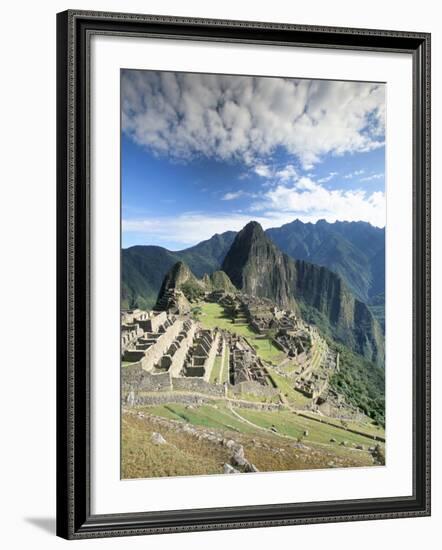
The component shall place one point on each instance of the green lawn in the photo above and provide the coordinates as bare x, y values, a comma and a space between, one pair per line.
285, 422
288, 423
213, 316
225, 366
216, 371
205, 415
244, 396
368, 427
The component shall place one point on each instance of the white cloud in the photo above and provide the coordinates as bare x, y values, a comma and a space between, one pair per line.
354, 174
310, 201
288, 173
262, 170
184, 115
373, 177
190, 228
274, 173
234, 195
326, 179
306, 200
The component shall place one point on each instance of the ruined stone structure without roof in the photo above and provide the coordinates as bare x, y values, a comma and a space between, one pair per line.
166, 349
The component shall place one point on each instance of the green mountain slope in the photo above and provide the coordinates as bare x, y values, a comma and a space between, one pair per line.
353, 250
143, 268
361, 382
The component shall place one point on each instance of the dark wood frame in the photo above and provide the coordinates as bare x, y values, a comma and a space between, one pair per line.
74, 519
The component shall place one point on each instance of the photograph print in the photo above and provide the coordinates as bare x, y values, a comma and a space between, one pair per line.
252, 274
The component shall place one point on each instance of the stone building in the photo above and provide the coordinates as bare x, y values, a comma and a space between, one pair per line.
201, 357
173, 359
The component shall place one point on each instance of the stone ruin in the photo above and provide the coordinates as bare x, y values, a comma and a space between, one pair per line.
290, 333
313, 382
216, 296
164, 351
173, 301
247, 372
244, 364
172, 360
167, 349
159, 348
134, 323
246, 367
294, 342
201, 356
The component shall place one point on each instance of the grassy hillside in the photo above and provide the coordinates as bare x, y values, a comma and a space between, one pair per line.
182, 455
185, 453
144, 267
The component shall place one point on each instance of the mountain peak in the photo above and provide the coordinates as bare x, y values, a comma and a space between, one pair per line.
250, 233
252, 228
256, 266
178, 274
179, 269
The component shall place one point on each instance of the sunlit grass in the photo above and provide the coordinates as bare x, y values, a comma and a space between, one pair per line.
212, 316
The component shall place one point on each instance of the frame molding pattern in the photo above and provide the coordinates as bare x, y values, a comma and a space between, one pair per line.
74, 29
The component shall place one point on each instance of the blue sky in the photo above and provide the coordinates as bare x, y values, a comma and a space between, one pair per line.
202, 154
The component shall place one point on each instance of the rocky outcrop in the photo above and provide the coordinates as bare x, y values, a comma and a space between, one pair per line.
218, 280
256, 266
181, 282
170, 297
158, 439
179, 275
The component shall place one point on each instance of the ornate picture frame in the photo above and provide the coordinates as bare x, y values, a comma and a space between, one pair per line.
75, 519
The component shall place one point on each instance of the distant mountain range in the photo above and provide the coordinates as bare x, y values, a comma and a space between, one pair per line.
353, 250
257, 266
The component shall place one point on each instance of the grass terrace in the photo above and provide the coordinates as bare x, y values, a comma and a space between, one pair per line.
212, 315
290, 424
208, 416
250, 421
285, 386
216, 371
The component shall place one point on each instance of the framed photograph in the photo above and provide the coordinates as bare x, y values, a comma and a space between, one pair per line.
243, 274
